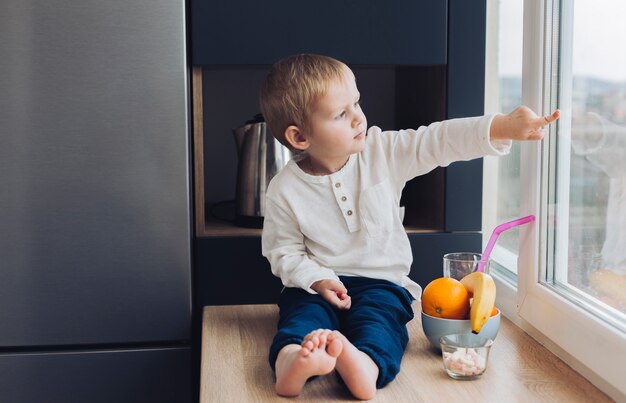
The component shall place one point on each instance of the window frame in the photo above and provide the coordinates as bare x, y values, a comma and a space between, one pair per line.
501, 255
586, 343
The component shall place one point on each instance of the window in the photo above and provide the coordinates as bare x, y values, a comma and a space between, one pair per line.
503, 94
586, 248
570, 287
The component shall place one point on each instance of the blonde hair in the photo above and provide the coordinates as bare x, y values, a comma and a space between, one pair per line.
291, 87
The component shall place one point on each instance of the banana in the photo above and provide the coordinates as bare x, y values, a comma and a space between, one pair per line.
481, 287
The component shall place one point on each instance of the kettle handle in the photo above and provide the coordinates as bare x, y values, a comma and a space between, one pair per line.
258, 118
240, 135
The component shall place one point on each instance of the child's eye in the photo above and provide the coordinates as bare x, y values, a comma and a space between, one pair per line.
357, 104
341, 115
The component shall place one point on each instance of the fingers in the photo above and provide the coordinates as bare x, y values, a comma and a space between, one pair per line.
539, 132
339, 302
537, 135
322, 286
345, 304
340, 289
335, 293
546, 120
343, 301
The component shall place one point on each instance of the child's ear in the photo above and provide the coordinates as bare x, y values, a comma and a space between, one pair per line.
296, 138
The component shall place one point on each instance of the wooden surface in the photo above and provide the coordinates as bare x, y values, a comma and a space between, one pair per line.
212, 227
236, 339
198, 147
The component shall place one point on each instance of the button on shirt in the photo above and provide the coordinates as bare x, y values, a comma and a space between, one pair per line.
350, 222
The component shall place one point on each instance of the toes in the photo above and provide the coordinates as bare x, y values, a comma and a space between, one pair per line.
326, 336
334, 348
315, 337
323, 340
318, 339
304, 352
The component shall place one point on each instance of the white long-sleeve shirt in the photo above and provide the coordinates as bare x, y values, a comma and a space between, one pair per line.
350, 222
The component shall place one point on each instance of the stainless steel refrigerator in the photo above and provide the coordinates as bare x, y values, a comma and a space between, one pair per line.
95, 261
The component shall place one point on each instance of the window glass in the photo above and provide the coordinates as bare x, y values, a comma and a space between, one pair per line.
503, 94
588, 179
571, 285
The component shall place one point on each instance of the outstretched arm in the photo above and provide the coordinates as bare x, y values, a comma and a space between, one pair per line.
521, 124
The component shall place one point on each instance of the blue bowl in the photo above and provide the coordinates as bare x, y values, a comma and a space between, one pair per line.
434, 328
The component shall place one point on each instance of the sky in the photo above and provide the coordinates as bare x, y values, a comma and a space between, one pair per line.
599, 43
600, 39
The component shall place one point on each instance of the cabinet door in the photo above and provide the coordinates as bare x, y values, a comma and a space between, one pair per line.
150, 375
465, 97
94, 181
356, 32
225, 276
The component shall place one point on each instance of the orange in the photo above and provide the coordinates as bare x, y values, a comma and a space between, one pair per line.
494, 312
446, 298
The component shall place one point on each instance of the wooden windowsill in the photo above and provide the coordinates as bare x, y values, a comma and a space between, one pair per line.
236, 339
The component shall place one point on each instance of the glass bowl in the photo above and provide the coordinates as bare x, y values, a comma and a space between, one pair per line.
465, 355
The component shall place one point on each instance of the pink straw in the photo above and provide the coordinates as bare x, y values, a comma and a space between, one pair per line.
494, 236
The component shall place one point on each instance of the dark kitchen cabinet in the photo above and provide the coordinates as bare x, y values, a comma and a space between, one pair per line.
121, 375
95, 213
402, 32
416, 62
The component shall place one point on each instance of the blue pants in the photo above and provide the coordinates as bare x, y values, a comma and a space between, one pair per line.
375, 324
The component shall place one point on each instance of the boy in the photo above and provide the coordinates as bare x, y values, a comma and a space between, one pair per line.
333, 226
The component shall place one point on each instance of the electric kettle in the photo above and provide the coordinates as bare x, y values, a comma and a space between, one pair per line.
260, 157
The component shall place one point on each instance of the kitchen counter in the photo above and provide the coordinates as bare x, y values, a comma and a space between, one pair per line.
235, 342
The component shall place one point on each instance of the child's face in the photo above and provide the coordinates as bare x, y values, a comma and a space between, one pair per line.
337, 125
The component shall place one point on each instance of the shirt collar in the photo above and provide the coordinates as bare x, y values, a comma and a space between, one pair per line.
292, 164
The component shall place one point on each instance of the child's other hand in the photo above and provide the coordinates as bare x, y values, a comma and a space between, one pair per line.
334, 292
521, 124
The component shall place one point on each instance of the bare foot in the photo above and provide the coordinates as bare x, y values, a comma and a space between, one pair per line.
357, 369
317, 355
